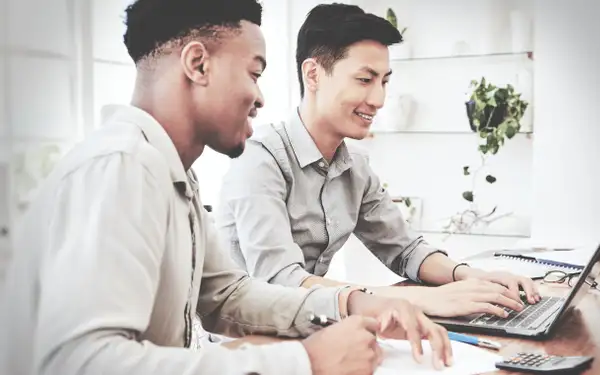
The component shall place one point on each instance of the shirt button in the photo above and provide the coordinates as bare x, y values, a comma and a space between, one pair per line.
328, 221
321, 164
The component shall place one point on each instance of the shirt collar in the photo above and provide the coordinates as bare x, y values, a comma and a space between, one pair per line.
302, 143
305, 148
156, 135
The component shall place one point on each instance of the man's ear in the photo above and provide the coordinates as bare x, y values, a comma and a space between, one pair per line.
310, 74
195, 61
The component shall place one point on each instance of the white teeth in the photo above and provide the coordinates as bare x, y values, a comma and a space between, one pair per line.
366, 117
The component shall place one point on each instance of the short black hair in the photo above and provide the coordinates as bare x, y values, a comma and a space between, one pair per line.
153, 23
329, 29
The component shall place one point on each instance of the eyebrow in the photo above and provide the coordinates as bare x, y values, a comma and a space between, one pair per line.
261, 60
375, 73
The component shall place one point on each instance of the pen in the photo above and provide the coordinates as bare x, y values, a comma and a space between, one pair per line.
324, 321
474, 341
321, 320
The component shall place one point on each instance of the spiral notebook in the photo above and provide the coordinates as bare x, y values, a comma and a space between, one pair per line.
528, 265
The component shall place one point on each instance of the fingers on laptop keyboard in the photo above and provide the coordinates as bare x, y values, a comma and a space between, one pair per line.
495, 302
488, 308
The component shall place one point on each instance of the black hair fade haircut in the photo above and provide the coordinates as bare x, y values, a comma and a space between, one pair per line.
154, 24
329, 29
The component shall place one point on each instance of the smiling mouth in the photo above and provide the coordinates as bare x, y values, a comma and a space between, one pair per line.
364, 116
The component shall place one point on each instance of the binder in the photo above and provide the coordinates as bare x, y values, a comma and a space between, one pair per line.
532, 266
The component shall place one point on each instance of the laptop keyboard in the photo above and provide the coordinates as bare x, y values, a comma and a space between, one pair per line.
522, 319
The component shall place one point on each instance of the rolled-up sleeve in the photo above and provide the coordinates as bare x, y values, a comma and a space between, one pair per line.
232, 303
253, 193
384, 231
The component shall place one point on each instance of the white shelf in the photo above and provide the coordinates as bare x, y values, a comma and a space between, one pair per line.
524, 56
433, 131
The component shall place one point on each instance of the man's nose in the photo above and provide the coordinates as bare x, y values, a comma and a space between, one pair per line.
260, 100
376, 97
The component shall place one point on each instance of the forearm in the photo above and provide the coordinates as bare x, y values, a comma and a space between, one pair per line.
113, 353
437, 269
256, 307
408, 292
311, 281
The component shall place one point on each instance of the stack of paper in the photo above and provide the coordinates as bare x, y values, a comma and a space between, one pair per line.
468, 359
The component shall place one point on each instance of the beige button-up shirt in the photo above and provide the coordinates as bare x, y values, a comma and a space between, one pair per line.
115, 256
285, 211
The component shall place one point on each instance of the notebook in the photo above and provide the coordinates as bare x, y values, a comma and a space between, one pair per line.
468, 359
533, 265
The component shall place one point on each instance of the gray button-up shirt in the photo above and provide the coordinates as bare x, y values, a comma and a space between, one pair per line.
116, 255
285, 211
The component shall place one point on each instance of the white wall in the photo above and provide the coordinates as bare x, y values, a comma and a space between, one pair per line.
425, 157
40, 112
566, 152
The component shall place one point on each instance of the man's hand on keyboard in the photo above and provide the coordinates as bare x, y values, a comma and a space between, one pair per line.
461, 298
507, 279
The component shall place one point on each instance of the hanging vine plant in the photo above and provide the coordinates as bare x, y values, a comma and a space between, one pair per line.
495, 114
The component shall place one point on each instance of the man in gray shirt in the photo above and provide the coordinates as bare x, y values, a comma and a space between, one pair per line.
116, 254
298, 192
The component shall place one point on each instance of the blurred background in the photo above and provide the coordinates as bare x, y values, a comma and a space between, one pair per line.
62, 60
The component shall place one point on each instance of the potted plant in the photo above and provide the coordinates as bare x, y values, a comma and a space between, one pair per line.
401, 50
495, 114
495, 111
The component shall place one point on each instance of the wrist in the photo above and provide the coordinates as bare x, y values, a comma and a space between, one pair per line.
464, 272
357, 301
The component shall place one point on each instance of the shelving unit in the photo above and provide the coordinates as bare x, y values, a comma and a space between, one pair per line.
416, 102
525, 54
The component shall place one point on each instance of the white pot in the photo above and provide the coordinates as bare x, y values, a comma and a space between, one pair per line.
401, 51
396, 114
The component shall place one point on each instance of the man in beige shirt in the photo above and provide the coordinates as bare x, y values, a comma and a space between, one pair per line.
116, 254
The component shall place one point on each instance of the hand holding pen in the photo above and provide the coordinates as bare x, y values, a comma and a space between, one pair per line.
348, 347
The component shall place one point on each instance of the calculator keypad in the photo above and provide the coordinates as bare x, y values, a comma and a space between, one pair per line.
530, 359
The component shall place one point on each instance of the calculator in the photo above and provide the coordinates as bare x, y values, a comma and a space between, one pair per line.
540, 363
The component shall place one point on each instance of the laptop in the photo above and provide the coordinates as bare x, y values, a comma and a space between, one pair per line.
534, 321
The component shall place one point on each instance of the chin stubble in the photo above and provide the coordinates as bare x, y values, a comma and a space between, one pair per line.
237, 151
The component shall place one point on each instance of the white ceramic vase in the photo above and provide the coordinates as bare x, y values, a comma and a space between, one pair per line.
396, 114
401, 51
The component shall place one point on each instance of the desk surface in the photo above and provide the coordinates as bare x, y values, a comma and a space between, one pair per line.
578, 334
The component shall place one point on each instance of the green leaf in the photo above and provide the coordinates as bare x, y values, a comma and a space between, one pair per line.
391, 17
468, 195
510, 132
491, 179
466, 170
483, 149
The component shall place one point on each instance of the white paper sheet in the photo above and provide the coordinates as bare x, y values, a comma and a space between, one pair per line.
468, 359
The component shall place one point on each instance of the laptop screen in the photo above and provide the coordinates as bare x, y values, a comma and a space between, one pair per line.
586, 280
